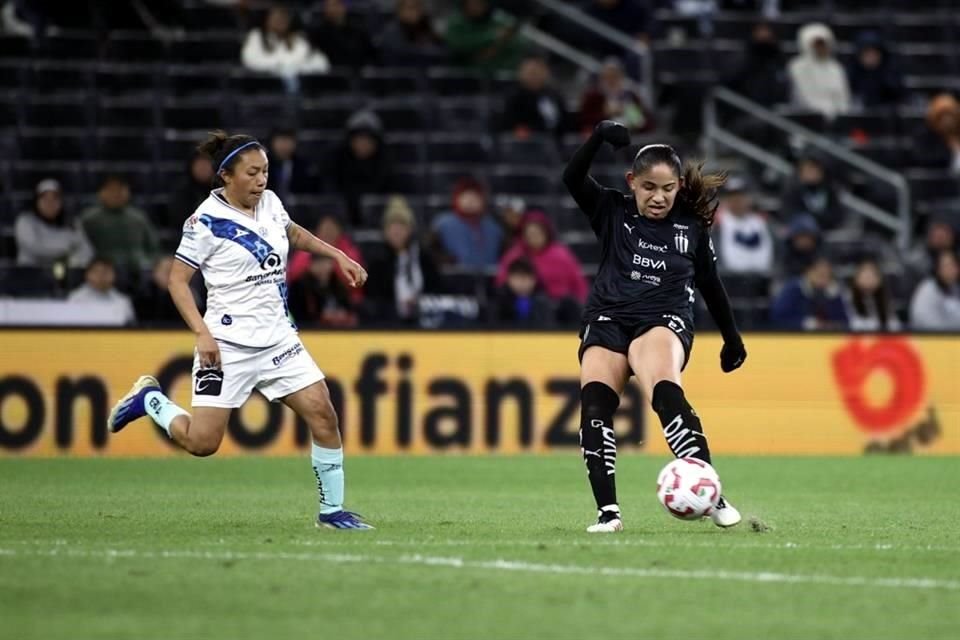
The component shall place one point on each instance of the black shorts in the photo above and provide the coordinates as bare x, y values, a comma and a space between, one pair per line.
617, 337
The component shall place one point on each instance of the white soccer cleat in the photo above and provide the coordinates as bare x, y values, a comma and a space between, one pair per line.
608, 521
725, 514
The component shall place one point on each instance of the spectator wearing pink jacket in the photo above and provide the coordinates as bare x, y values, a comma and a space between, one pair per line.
557, 268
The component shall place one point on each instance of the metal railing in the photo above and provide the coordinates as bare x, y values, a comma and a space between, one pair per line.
599, 29
715, 133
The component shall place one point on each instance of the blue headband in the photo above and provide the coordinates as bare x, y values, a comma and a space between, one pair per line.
235, 152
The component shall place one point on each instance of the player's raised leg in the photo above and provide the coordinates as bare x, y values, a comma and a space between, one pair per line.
603, 374
199, 434
314, 406
657, 358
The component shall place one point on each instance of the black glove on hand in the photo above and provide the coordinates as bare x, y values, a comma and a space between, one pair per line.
614, 133
732, 355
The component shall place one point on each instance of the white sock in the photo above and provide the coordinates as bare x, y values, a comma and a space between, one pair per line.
162, 409
328, 468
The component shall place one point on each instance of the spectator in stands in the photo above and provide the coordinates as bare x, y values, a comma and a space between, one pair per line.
510, 210
519, 301
610, 99
874, 80
745, 244
277, 49
480, 40
818, 82
943, 119
329, 229
409, 38
343, 36
319, 297
761, 75
98, 288
48, 235
468, 236
119, 231
153, 304
869, 306
361, 164
936, 302
803, 244
290, 174
811, 302
403, 271
812, 191
193, 189
558, 270
534, 106
940, 236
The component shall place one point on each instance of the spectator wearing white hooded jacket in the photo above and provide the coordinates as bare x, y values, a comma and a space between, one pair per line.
936, 302
818, 82
275, 48
744, 241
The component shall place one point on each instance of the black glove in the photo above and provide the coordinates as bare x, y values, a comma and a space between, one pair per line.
732, 355
614, 133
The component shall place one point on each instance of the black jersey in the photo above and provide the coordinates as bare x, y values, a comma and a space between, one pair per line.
648, 267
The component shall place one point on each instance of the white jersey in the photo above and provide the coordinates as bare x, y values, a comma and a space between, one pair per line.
243, 260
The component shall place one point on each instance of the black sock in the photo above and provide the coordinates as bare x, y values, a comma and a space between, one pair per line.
681, 426
598, 403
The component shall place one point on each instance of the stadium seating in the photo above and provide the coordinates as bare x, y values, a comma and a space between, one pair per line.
77, 106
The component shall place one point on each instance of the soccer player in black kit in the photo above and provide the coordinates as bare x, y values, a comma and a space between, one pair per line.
655, 248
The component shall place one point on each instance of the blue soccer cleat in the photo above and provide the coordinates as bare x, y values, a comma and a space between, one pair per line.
342, 520
130, 407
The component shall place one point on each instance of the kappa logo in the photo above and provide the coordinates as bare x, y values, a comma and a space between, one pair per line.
629, 228
209, 382
680, 241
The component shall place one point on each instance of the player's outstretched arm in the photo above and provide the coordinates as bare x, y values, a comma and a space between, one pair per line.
179, 285
300, 238
715, 296
584, 189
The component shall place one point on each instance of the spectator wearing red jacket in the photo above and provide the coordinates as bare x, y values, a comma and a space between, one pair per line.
557, 268
329, 229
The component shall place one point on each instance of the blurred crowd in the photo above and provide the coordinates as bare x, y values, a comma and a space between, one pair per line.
533, 278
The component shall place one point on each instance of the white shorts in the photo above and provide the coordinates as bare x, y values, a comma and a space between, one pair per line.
274, 371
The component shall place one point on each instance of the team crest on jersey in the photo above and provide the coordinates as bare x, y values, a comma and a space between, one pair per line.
680, 241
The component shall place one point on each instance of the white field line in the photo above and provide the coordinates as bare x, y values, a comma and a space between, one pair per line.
499, 564
720, 542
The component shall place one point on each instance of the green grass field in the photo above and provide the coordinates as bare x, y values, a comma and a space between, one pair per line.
474, 548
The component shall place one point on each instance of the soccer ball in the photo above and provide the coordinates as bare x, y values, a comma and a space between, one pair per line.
688, 488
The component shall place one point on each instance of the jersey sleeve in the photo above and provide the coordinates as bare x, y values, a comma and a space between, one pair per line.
706, 259
603, 210
282, 215
277, 210
196, 244
711, 288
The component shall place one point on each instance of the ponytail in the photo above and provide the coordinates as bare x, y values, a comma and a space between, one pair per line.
224, 149
698, 194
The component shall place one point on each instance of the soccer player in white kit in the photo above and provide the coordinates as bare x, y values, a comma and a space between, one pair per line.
238, 239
